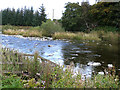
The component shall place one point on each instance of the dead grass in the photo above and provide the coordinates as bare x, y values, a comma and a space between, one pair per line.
25, 33
76, 36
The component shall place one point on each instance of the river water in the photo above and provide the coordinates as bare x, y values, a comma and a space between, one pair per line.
87, 57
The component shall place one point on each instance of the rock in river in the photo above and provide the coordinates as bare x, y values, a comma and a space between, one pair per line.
94, 64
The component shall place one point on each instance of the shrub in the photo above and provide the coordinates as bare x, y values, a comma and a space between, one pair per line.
51, 27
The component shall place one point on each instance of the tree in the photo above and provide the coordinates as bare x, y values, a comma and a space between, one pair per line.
71, 19
36, 19
13, 17
105, 13
85, 16
17, 17
42, 14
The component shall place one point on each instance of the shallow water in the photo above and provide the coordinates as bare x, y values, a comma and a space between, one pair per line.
87, 57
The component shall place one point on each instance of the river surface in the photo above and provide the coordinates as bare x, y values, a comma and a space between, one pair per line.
88, 58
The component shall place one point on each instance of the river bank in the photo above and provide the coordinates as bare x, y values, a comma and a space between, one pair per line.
98, 34
24, 72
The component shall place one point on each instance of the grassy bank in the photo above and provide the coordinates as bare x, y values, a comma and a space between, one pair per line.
54, 30
25, 33
21, 71
111, 37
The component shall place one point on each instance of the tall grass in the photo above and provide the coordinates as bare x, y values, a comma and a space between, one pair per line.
25, 33
76, 36
110, 37
5, 27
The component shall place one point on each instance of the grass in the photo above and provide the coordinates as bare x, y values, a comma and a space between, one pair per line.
25, 33
6, 27
36, 74
111, 37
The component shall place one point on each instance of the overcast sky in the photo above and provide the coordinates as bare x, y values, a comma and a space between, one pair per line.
57, 5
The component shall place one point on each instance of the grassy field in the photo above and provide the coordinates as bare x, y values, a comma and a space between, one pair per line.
23, 71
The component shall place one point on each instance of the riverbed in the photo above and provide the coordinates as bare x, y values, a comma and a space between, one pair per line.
87, 56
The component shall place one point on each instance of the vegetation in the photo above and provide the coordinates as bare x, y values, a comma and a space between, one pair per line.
99, 22
86, 17
47, 28
25, 33
76, 36
23, 17
106, 13
50, 27
19, 71
100, 35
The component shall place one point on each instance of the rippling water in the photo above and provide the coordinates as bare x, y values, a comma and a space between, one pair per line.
87, 58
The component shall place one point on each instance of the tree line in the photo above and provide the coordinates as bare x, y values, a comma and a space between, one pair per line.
76, 17
23, 17
86, 17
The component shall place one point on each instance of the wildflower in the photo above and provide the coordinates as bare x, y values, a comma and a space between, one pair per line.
43, 82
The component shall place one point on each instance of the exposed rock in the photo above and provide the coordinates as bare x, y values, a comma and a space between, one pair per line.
49, 45
94, 64
110, 65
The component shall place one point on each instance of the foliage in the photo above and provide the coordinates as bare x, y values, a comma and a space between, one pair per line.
42, 14
45, 75
23, 17
86, 17
11, 82
103, 81
66, 79
106, 29
71, 19
105, 13
49, 27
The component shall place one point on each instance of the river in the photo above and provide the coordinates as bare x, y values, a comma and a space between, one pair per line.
88, 58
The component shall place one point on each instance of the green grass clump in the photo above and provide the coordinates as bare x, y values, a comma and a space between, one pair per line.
36, 28
11, 82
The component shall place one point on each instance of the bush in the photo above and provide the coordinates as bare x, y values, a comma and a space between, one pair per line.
50, 27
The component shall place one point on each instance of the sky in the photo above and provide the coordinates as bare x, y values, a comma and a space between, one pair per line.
57, 5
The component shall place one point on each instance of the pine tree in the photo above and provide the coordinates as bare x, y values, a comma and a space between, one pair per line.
42, 14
